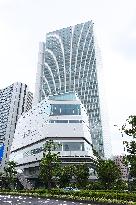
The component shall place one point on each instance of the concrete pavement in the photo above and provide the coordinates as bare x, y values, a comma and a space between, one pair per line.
24, 200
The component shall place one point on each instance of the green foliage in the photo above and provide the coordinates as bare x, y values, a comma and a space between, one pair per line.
95, 185
78, 173
129, 128
65, 176
120, 185
9, 175
50, 146
133, 185
97, 194
50, 164
10, 169
106, 197
108, 173
81, 175
51, 170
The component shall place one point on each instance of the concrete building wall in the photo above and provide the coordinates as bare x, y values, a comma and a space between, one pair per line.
12, 105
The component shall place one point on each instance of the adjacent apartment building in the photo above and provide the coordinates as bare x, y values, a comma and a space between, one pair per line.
69, 62
123, 168
14, 100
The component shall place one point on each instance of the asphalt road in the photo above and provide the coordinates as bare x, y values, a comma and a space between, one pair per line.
23, 200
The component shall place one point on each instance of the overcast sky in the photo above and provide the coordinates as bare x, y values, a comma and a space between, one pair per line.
23, 23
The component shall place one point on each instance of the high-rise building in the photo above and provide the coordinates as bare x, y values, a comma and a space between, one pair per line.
68, 62
14, 100
123, 168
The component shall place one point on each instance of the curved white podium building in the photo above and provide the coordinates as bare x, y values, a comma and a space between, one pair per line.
63, 119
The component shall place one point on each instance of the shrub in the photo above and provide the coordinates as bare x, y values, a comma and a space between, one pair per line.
96, 196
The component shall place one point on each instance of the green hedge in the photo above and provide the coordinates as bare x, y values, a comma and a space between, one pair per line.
97, 194
93, 196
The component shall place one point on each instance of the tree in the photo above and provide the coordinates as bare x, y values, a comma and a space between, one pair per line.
108, 173
50, 163
2, 180
129, 128
10, 174
81, 175
65, 175
78, 173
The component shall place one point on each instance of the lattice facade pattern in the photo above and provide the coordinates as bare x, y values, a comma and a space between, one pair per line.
69, 64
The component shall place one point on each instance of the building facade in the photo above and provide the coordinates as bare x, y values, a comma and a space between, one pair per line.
14, 100
123, 168
62, 119
68, 62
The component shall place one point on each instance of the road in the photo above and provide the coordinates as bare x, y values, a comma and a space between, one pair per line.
23, 200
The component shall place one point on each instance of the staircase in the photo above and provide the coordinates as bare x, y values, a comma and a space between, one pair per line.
26, 184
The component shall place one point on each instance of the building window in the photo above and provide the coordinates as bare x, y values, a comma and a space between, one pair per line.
73, 146
65, 109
